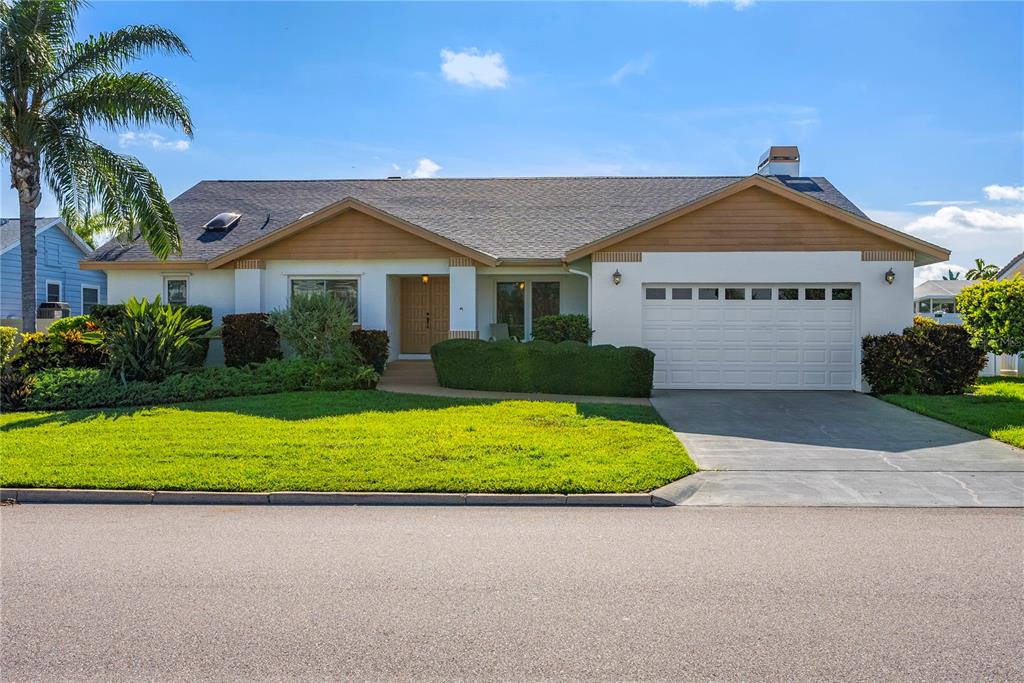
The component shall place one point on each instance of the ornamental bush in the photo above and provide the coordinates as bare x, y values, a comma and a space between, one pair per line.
560, 328
570, 367
148, 341
318, 327
105, 315
928, 359
8, 338
992, 312
372, 346
70, 349
249, 338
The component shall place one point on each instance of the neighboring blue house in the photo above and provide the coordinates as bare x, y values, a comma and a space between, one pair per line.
58, 278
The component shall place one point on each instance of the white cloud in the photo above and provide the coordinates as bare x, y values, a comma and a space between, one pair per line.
154, 140
953, 220
936, 271
634, 67
425, 168
473, 69
1005, 192
943, 202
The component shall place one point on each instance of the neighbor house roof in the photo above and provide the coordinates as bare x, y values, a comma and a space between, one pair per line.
1010, 266
10, 232
940, 288
506, 219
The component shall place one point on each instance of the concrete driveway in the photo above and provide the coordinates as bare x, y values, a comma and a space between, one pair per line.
832, 448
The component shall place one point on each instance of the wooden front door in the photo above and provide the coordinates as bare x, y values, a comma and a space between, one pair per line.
424, 313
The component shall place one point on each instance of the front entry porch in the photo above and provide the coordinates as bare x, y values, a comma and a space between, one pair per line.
424, 313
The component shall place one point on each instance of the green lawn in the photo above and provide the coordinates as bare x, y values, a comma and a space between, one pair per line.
345, 441
995, 408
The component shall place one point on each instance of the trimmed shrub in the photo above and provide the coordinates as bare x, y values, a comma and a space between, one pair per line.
542, 367
993, 314
560, 328
8, 338
922, 321
927, 359
67, 389
150, 342
372, 346
318, 327
248, 339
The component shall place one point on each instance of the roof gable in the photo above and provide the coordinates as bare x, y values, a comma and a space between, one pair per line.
784, 234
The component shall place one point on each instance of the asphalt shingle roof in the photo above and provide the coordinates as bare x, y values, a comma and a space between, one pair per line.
507, 218
10, 229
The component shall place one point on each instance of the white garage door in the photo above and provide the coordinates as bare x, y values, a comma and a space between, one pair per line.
751, 336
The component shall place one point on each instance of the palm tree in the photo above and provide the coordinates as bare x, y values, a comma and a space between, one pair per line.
96, 228
951, 275
55, 91
982, 270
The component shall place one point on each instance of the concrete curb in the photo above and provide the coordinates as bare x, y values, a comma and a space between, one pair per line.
109, 496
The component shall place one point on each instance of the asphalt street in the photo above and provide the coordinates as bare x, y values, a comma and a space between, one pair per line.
96, 592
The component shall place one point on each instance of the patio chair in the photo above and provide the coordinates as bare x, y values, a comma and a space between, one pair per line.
499, 332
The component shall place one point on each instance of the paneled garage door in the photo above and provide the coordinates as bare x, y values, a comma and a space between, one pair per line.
751, 336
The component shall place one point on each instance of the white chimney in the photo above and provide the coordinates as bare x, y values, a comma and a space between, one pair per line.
780, 160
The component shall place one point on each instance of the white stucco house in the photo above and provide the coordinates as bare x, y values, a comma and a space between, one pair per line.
761, 281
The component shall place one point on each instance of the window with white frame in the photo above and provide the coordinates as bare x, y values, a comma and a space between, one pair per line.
343, 289
176, 290
519, 304
53, 290
90, 298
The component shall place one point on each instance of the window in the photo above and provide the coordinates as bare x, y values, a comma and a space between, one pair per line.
177, 291
924, 306
842, 295
53, 290
346, 290
653, 293
707, 293
545, 299
90, 298
788, 293
735, 293
682, 293
814, 294
944, 306
512, 307
761, 293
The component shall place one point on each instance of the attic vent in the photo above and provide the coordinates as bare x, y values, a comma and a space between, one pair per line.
223, 221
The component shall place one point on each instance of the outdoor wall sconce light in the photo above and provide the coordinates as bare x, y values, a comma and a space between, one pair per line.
890, 277
616, 276
425, 279
522, 285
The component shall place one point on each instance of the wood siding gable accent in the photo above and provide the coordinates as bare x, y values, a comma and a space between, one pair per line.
460, 261
618, 257
755, 220
352, 235
250, 264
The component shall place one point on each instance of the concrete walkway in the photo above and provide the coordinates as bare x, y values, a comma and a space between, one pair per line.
417, 377
832, 449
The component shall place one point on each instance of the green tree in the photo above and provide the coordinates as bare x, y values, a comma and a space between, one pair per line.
55, 91
982, 270
992, 312
951, 275
96, 228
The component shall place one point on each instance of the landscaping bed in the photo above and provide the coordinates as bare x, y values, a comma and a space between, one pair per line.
995, 408
346, 441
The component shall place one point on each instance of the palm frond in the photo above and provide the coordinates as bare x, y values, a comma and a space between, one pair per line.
109, 52
125, 100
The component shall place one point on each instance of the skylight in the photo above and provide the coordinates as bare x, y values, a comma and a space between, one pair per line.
223, 221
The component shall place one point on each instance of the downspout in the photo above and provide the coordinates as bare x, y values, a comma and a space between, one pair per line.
590, 292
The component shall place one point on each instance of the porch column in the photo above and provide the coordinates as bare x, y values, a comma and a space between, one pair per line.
249, 285
462, 299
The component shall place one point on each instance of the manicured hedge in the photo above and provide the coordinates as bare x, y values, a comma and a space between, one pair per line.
925, 359
564, 327
90, 388
543, 367
372, 346
249, 338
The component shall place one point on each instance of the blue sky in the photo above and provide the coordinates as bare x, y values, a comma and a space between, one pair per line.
897, 104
